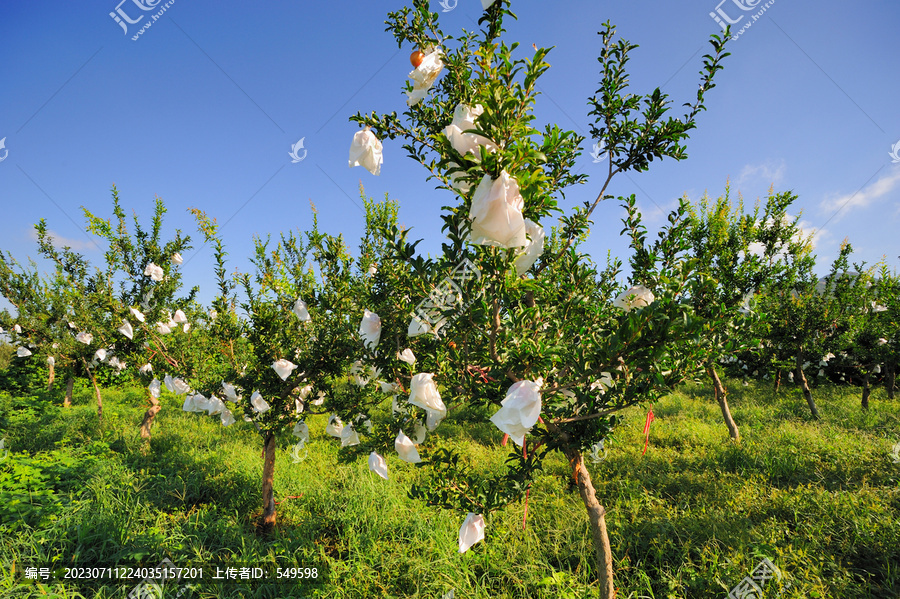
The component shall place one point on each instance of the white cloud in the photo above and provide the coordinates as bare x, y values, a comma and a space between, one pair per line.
653, 213
767, 173
59, 241
819, 236
862, 198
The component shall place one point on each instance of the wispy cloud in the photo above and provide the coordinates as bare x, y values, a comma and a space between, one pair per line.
768, 173
654, 214
60, 241
818, 236
882, 187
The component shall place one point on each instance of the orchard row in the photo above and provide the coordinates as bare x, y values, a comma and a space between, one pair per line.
511, 314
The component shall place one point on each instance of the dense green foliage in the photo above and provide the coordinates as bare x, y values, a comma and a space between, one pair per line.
566, 347
689, 519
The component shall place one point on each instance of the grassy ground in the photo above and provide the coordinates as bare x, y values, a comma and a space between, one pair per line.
691, 518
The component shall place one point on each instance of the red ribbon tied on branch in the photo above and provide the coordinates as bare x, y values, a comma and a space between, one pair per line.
528, 490
650, 418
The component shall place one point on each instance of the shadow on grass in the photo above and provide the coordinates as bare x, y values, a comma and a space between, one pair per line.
176, 474
34, 423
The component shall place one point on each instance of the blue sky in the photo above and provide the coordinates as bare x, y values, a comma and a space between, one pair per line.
203, 108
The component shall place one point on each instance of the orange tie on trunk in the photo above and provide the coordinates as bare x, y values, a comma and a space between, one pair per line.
650, 418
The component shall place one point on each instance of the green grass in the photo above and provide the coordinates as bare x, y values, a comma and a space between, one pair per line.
689, 519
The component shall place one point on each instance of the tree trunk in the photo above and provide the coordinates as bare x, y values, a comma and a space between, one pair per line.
596, 513
149, 415
99, 398
866, 391
267, 520
96, 391
804, 384
890, 377
70, 387
722, 399
51, 377
777, 380
597, 519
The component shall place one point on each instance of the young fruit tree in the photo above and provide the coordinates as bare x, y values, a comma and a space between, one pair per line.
739, 253
808, 319
141, 313
33, 327
62, 314
529, 317
864, 345
289, 349
888, 293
